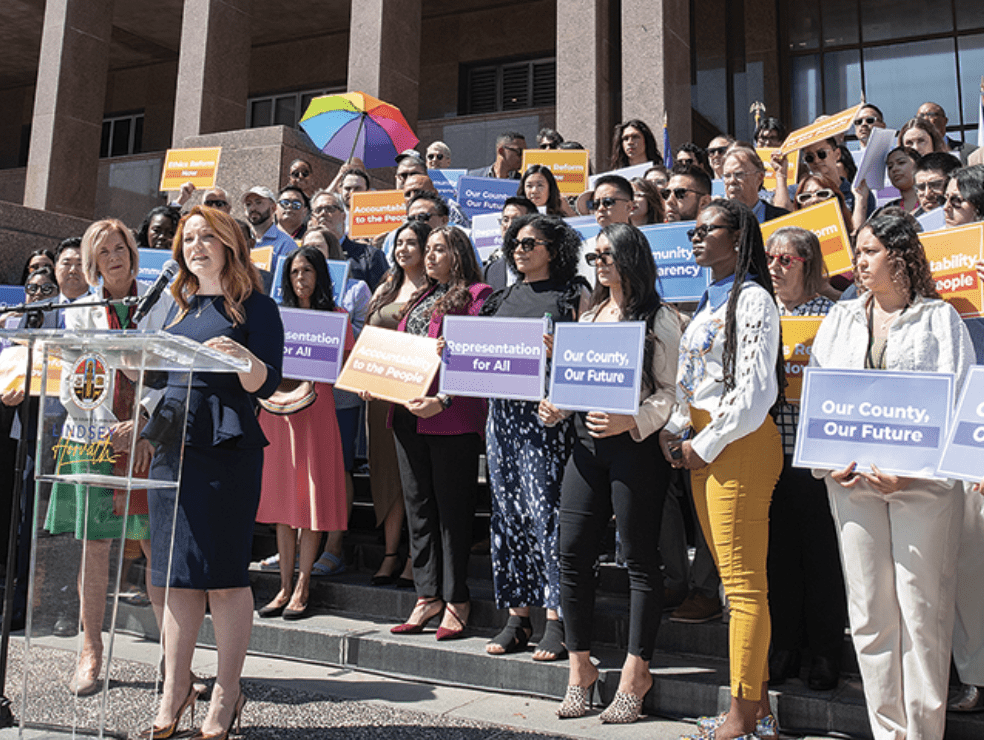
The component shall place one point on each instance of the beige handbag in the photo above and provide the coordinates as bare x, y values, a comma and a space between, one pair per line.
290, 397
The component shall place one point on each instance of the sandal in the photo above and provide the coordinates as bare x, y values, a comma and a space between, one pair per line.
328, 564
513, 638
551, 642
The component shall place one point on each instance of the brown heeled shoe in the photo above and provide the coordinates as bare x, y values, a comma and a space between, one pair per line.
236, 720
162, 733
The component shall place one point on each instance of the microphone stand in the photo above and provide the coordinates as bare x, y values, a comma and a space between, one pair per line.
34, 313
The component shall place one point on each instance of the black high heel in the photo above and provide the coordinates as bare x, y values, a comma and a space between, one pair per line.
387, 580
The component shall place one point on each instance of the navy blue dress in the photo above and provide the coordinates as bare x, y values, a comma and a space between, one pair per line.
223, 453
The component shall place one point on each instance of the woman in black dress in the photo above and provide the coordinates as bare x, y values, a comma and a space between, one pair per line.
219, 302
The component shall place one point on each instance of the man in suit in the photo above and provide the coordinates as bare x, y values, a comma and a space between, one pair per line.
934, 114
743, 174
509, 147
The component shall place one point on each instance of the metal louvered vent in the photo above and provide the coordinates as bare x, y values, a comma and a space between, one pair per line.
510, 86
482, 90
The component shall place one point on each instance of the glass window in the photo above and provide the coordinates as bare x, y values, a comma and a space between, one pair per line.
840, 22
882, 20
901, 77
804, 25
260, 113
283, 113
841, 80
805, 89
970, 14
970, 52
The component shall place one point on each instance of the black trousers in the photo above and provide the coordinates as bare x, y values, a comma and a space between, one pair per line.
605, 476
439, 474
807, 601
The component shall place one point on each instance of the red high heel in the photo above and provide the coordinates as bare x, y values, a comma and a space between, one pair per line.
413, 628
449, 633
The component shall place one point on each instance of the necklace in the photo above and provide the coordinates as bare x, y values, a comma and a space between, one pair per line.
202, 305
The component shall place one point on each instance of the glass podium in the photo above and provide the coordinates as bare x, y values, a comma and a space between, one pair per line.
96, 397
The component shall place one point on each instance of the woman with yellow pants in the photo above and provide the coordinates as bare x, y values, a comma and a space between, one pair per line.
729, 376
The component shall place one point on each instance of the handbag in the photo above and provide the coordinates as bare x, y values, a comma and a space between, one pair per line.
290, 397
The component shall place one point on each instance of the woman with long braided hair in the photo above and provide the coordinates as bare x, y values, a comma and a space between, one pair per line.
730, 374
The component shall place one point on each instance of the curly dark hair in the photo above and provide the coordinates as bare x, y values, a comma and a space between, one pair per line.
465, 272
142, 232
752, 265
897, 231
565, 244
393, 280
323, 298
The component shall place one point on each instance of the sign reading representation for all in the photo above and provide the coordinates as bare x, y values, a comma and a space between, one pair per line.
493, 358
197, 166
391, 365
596, 366
314, 343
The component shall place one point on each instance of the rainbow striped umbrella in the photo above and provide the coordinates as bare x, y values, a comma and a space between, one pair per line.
358, 125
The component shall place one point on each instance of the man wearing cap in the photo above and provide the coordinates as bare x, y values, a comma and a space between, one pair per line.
259, 203
509, 147
408, 162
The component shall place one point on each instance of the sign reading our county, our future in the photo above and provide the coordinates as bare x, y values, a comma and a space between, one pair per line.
446, 182
391, 365
680, 277
962, 454
493, 358
484, 194
953, 255
314, 343
895, 420
798, 333
596, 366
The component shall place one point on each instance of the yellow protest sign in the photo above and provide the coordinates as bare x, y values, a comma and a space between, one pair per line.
820, 130
262, 256
391, 365
952, 255
770, 176
569, 167
798, 333
826, 220
13, 361
375, 212
197, 166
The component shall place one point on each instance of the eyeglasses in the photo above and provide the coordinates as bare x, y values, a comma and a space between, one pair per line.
869, 120
820, 154
954, 201
701, 232
436, 156
217, 203
931, 185
326, 210
931, 114
45, 289
604, 258
739, 175
594, 205
784, 260
717, 151
290, 205
301, 173
821, 194
678, 193
421, 217
529, 243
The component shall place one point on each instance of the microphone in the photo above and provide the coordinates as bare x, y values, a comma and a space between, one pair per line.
150, 298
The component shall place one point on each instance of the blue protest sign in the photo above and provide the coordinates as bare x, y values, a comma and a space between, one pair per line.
277, 286
717, 189
152, 263
965, 439
680, 277
11, 295
338, 271
446, 182
596, 366
586, 226
314, 343
484, 194
896, 420
493, 358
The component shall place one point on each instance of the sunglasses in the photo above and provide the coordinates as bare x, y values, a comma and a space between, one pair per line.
514, 150
548, 145
604, 258
717, 151
290, 205
217, 203
784, 260
931, 185
45, 289
528, 244
702, 231
594, 205
869, 120
421, 217
323, 210
812, 156
822, 194
678, 193
437, 156
301, 173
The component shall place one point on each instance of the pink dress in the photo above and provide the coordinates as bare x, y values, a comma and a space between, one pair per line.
303, 470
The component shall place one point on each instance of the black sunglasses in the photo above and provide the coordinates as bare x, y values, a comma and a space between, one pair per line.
217, 203
821, 155
678, 193
702, 231
44, 289
870, 120
438, 156
301, 173
422, 217
605, 202
605, 258
715, 151
529, 243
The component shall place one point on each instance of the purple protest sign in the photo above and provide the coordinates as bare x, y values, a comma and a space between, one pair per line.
314, 343
493, 358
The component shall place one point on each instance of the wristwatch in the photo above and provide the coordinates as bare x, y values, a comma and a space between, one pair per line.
445, 400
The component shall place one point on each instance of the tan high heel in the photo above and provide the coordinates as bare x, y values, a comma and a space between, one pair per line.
85, 680
162, 733
236, 719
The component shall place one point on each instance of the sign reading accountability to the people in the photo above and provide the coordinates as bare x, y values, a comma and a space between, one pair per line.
953, 255
197, 166
963, 454
314, 343
596, 366
680, 277
484, 194
375, 212
798, 333
826, 220
895, 420
493, 358
820, 130
391, 365
568, 166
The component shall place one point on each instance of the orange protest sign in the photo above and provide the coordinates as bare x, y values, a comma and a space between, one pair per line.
826, 220
375, 212
770, 177
569, 167
798, 333
13, 360
262, 257
391, 365
952, 255
197, 166
820, 130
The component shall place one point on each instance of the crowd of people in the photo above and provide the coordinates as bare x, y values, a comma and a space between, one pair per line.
797, 553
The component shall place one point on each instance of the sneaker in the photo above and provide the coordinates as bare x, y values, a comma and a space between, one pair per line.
697, 609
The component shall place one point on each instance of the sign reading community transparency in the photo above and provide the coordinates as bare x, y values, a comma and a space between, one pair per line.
895, 420
314, 343
680, 278
596, 366
197, 166
391, 365
493, 358
798, 333
963, 454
